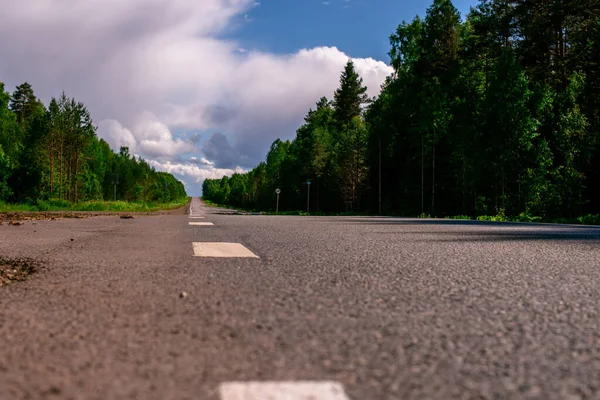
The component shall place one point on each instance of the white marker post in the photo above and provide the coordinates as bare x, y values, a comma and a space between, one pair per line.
277, 206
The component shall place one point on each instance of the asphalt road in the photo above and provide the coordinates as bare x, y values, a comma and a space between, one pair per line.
388, 308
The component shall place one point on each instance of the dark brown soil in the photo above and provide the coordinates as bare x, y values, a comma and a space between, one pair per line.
16, 270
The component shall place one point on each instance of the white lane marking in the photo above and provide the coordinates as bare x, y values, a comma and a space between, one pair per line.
293, 390
195, 217
200, 223
221, 250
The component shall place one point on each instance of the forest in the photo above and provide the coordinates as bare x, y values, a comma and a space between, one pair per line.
494, 114
53, 154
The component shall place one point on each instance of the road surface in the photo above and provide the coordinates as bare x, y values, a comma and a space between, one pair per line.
330, 307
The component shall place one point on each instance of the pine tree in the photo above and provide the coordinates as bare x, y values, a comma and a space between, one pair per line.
350, 96
351, 167
24, 103
440, 42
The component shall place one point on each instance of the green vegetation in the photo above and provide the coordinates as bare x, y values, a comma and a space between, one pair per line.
210, 203
496, 116
94, 205
51, 159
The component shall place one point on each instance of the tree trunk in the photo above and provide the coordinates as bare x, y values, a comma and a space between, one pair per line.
422, 175
379, 205
51, 151
464, 184
433, 180
318, 207
519, 207
60, 172
76, 174
503, 192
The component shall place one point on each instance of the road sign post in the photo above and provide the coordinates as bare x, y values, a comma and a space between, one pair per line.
277, 205
115, 182
308, 197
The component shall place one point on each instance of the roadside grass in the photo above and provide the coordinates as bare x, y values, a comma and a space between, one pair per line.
99, 206
590, 219
210, 203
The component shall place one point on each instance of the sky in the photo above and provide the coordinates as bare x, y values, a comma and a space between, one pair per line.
198, 88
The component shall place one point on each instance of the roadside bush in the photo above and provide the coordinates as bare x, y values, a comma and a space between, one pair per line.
590, 219
526, 217
458, 217
500, 217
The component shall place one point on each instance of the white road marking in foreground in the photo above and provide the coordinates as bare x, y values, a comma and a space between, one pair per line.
200, 223
222, 250
299, 390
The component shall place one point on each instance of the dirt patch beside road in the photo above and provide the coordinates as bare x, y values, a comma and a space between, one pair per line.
16, 270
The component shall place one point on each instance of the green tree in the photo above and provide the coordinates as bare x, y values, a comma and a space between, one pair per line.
349, 97
509, 131
24, 103
5, 172
10, 134
574, 145
351, 163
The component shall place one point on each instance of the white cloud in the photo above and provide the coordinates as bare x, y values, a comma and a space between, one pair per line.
202, 160
149, 68
194, 172
149, 138
116, 134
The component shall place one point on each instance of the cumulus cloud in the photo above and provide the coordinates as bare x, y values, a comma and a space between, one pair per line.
194, 172
117, 135
158, 77
148, 137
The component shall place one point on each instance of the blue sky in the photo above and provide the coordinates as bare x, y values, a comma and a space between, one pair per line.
360, 28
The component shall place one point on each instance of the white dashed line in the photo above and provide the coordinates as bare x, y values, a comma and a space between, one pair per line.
194, 217
221, 250
300, 390
200, 223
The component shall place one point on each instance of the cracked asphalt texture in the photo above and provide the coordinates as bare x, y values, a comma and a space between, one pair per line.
391, 308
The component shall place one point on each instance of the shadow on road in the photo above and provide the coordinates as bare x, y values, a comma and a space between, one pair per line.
466, 230
415, 221
516, 236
